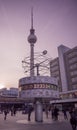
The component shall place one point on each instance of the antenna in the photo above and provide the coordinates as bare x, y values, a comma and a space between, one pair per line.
32, 18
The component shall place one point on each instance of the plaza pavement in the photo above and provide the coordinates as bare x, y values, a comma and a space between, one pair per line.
19, 122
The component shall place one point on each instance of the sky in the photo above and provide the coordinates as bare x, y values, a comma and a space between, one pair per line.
55, 23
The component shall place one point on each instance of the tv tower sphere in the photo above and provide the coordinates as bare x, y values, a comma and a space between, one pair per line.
32, 38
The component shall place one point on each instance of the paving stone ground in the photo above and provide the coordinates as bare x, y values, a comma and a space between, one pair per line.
20, 122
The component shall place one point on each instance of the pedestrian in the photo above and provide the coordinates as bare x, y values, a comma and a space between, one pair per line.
47, 111
56, 113
73, 120
52, 112
65, 114
5, 114
30, 109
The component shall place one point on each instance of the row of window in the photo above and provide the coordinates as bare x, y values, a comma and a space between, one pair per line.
72, 54
53, 63
74, 86
56, 73
74, 79
73, 60
73, 73
74, 66
54, 68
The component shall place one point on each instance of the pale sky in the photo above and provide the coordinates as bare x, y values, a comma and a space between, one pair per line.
55, 23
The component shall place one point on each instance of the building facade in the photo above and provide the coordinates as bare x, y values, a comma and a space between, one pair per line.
12, 92
64, 68
70, 58
55, 71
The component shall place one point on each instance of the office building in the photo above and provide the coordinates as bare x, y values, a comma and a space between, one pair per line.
64, 68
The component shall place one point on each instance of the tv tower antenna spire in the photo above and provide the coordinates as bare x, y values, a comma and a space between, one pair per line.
32, 40
32, 17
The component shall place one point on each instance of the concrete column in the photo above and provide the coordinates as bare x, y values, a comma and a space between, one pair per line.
38, 112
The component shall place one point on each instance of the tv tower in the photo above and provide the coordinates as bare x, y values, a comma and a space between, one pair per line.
32, 40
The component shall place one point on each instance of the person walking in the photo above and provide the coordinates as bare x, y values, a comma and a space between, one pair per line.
5, 114
52, 112
30, 109
65, 114
56, 113
73, 120
47, 111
